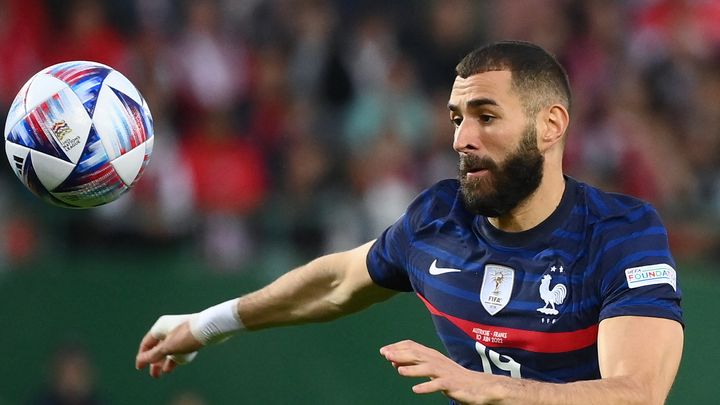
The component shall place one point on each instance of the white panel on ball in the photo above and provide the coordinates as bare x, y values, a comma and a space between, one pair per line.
50, 170
42, 87
119, 82
149, 145
108, 122
128, 165
68, 122
17, 155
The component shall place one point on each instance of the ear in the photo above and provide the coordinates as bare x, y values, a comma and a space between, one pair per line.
554, 124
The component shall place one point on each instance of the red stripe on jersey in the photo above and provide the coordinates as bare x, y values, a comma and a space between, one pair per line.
529, 340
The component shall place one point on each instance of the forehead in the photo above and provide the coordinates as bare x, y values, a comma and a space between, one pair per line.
493, 85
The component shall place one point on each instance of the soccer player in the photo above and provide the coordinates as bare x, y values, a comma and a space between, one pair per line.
543, 289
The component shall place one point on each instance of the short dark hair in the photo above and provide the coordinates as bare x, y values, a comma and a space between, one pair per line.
537, 76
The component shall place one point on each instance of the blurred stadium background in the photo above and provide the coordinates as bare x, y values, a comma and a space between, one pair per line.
290, 128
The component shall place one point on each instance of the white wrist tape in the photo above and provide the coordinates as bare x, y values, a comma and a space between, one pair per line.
217, 323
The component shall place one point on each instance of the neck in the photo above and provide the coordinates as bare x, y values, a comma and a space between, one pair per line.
536, 208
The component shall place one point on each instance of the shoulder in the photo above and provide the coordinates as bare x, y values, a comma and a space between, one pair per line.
625, 232
435, 202
605, 208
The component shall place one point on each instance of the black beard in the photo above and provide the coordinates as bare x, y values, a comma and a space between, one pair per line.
507, 184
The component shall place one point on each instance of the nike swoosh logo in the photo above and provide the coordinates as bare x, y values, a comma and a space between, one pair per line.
435, 270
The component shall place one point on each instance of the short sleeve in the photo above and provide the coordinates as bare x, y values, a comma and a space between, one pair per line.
387, 261
639, 274
387, 257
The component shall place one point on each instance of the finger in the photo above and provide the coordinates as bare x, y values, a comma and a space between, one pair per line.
156, 370
416, 371
146, 344
429, 387
168, 365
402, 357
404, 344
153, 355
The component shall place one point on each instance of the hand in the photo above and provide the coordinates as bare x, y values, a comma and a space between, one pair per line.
167, 344
412, 359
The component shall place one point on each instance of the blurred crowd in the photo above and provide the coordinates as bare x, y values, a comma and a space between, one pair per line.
289, 128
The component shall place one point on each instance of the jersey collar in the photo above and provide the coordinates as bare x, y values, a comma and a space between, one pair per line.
540, 232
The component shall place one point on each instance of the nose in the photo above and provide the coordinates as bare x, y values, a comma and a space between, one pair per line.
467, 137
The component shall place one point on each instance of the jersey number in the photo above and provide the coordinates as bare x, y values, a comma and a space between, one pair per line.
502, 362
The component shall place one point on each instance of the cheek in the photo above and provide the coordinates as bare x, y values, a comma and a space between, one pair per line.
500, 142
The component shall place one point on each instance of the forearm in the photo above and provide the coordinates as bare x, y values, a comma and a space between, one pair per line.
616, 390
301, 295
466, 386
324, 289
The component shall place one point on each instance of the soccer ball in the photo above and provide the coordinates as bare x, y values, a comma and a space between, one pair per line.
79, 134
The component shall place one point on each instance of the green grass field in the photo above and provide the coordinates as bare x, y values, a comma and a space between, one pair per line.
336, 363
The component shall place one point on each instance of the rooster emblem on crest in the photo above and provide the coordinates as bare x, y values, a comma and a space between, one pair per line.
553, 297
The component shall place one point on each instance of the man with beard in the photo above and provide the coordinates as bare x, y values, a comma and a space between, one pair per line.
544, 290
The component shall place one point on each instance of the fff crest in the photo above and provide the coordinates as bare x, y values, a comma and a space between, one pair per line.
496, 287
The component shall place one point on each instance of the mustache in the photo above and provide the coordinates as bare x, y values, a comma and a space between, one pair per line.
469, 163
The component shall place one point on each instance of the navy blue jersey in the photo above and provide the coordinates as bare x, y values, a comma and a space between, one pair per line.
528, 304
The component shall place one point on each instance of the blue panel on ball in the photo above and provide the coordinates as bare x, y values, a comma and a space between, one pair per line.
149, 123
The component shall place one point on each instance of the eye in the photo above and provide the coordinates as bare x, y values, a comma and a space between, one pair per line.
486, 119
456, 121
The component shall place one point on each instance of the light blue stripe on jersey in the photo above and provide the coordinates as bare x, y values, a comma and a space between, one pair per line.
662, 256
615, 242
592, 234
657, 230
574, 236
472, 295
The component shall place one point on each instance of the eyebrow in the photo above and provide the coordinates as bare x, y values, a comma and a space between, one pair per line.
474, 103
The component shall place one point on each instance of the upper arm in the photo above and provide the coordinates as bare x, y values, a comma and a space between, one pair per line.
640, 337
356, 288
644, 349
